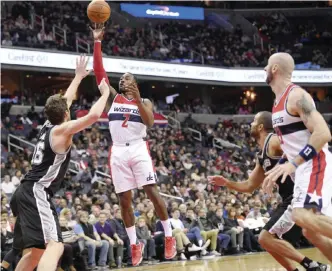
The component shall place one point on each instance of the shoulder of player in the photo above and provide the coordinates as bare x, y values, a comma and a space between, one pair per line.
274, 146
296, 95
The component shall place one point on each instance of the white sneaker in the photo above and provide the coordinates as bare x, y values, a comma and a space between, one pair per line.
206, 245
215, 253
194, 248
204, 252
182, 257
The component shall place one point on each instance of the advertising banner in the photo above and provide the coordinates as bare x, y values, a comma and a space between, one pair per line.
163, 12
156, 69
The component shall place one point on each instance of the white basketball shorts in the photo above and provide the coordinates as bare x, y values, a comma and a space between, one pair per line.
131, 166
313, 184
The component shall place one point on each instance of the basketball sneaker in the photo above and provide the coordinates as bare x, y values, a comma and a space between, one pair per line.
170, 247
321, 267
137, 251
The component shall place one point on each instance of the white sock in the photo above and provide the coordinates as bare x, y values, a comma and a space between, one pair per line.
200, 243
131, 231
167, 227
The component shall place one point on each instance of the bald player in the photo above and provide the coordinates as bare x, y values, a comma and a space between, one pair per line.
273, 238
304, 136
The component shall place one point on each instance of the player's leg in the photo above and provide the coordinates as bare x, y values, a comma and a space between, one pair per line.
313, 191
30, 259
282, 225
323, 243
306, 219
146, 177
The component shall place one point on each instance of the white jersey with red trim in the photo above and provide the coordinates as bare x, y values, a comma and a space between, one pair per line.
125, 122
292, 132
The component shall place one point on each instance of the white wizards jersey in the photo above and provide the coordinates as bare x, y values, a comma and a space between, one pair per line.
125, 121
292, 132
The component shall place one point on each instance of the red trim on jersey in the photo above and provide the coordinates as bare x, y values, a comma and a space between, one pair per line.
148, 148
322, 163
280, 106
109, 160
317, 174
123, 100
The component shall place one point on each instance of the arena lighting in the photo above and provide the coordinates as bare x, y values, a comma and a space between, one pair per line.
253, 96
49, 77
153, 87
212, 87
248, 93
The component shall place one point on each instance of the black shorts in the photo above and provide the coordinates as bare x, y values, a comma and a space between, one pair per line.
18, 238
37, 217
282, 226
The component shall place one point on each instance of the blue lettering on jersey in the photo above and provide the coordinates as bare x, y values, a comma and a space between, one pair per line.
126, 110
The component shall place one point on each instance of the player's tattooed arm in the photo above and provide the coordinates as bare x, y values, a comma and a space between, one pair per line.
301, 103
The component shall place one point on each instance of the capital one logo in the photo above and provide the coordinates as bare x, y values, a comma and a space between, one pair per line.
162, 11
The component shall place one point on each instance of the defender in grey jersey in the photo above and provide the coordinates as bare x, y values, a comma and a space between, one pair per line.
39, 226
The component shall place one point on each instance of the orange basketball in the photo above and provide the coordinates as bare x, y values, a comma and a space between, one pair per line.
99, 11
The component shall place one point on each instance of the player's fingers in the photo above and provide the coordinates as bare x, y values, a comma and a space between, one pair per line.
77, 61
86, 61
272, 170
284, 177
91, 28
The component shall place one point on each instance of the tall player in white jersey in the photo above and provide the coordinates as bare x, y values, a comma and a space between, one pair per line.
304, 135
130, 161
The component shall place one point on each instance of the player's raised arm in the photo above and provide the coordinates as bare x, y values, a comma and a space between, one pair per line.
80, 73
300, 102
98, 66
75, 126
255, 179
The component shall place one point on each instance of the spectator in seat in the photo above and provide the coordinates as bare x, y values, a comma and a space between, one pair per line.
66, 213
7, 186
144, 235
118, 226
151, 220
256, 212
191, 223
218, 222
208, 231
6, 238
92, 240
70, 244
233, 228
105, 230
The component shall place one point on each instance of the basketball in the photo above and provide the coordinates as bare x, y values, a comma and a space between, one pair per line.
98, 11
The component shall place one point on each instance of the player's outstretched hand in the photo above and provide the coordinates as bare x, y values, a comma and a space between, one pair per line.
217, 180
81, 63
98, 31
104, 87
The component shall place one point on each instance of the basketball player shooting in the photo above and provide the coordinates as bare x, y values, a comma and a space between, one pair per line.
280, 224
130, 161
38, 226
304, 136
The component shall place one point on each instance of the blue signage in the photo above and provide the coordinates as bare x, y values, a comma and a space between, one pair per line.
163, 12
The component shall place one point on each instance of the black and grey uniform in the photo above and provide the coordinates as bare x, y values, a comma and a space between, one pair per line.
38, 220
280, 223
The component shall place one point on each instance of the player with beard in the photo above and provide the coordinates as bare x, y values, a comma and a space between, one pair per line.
304, 135
280, 227
130, 161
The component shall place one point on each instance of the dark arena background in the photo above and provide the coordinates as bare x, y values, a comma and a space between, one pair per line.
202, 65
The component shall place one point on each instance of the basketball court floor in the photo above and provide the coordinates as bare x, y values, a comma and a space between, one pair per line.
249, 262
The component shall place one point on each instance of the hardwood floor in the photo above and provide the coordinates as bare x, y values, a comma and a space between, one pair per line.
249, 262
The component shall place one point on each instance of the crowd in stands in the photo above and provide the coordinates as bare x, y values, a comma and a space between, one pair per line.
207, 221
170, 41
